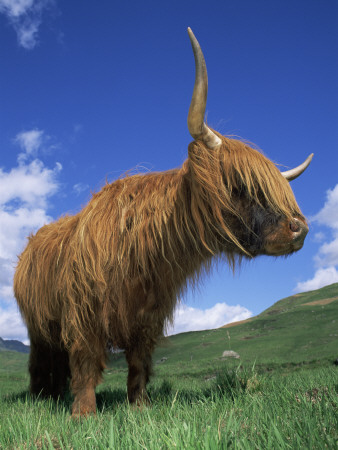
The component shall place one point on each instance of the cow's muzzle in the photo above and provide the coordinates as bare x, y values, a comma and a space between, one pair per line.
299, 231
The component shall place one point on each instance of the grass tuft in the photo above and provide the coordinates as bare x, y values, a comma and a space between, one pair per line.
234, 382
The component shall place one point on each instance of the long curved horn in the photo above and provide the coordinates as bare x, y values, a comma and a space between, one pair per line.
197, 128
292, 174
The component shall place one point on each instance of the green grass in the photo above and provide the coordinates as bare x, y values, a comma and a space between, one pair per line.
229, 407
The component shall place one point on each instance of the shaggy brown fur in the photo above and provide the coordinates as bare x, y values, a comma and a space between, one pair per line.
110, 276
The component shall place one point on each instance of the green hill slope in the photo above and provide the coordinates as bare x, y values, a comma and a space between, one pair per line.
299, 328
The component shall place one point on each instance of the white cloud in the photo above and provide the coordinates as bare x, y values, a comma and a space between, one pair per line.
11, 325
24, 193
27, 33
328, 215
328, 254
322, 277
15, 8
326, 258
187, 318
29, 141
29, 184
25, 16
79, 188
319, 237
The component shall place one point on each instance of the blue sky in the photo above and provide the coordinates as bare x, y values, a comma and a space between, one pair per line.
89, 90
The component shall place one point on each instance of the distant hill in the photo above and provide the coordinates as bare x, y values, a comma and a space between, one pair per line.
13, 346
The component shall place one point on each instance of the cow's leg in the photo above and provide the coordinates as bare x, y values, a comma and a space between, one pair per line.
86, 365
48, 368
60, 372
139, 359
40, 368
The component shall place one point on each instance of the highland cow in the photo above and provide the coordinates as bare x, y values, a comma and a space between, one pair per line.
109, 276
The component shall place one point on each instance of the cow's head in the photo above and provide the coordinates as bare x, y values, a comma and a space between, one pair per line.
250, 200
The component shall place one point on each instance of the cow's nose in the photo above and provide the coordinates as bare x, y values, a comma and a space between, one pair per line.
299, 229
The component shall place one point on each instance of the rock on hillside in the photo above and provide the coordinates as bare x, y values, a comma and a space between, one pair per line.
230, 354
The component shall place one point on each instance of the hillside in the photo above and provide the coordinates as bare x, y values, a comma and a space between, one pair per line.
13, 346
299, 328
317, 298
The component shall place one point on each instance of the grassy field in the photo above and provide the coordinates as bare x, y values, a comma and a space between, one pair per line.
282, 393
227, 407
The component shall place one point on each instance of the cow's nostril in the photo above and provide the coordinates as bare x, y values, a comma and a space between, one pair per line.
294, 226
298, 228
